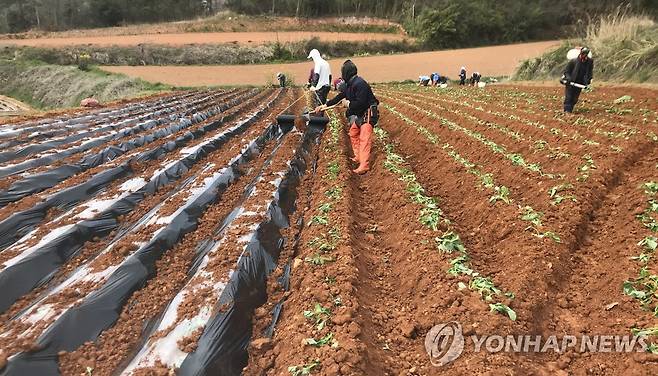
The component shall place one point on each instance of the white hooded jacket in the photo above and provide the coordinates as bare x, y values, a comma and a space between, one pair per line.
322, 68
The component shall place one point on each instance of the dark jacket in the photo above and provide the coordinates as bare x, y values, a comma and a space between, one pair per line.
579, 71
360, 95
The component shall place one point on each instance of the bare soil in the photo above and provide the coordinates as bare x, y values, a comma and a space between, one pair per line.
489, 61
179, 39
367, 279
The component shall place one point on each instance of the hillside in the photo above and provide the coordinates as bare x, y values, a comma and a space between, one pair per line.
625, 49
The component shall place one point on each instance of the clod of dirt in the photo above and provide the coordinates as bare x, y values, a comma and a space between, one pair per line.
262, 344
408, 329
3, 361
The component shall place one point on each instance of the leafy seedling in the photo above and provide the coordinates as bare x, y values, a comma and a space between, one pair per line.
532, 216
333, 169
319, 220
318, 316
459, 266
650, 188
502, 194
326, 340
550, 235
305, 369
645, 332
650, 243
325, 208
502, 308
623, 99
334, 193
450, 242
485, 287
319, 259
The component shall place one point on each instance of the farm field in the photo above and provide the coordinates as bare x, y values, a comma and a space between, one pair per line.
178, 39
489, 61
187, 231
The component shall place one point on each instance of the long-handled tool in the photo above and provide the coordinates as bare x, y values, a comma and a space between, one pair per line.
564, 81
287, 121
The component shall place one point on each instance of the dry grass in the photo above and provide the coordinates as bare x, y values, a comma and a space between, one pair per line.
51, 86
625, 48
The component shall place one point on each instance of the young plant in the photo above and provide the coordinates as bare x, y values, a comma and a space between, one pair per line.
319, 259
450, 242
318, 316
502, 308
304, 370
326, 340
502, 194
532, 216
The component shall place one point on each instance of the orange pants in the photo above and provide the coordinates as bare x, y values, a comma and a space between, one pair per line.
361, 139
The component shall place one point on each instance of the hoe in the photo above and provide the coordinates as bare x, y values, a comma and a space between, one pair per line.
287, 121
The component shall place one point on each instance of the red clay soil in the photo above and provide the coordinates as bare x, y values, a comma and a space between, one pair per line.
363, 255
393, 283
179, 39
489, 61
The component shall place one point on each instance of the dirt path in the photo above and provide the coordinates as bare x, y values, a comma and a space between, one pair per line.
12, 107
178, 39
489, 61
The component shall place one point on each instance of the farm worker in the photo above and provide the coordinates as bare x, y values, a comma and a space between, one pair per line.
337, 83
321, 83
462, 76
362, 114
282, 79
475, 78
310, 78
435, 79
423, 80
578, 71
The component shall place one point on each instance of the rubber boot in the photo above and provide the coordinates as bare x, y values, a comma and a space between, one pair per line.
354, 140
365, 145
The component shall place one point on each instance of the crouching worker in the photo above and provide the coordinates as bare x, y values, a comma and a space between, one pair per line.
282, 79
362, 114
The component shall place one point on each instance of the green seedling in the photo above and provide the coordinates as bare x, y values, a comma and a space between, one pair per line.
322, 244
650, 188
532, 216
305, 369
645, 332
485, 287
459, 266
649, 243
335, 193
450, 242
488, 181
502, 308
328, 339
325, 208
431, 217
501, 194
623, 99
319, 259
318, 316
548, 234
319, 220
333, 169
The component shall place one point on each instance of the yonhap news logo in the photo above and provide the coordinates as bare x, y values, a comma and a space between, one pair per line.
445, 343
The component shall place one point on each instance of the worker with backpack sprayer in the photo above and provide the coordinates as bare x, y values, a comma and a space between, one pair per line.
577, 76
362, 113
